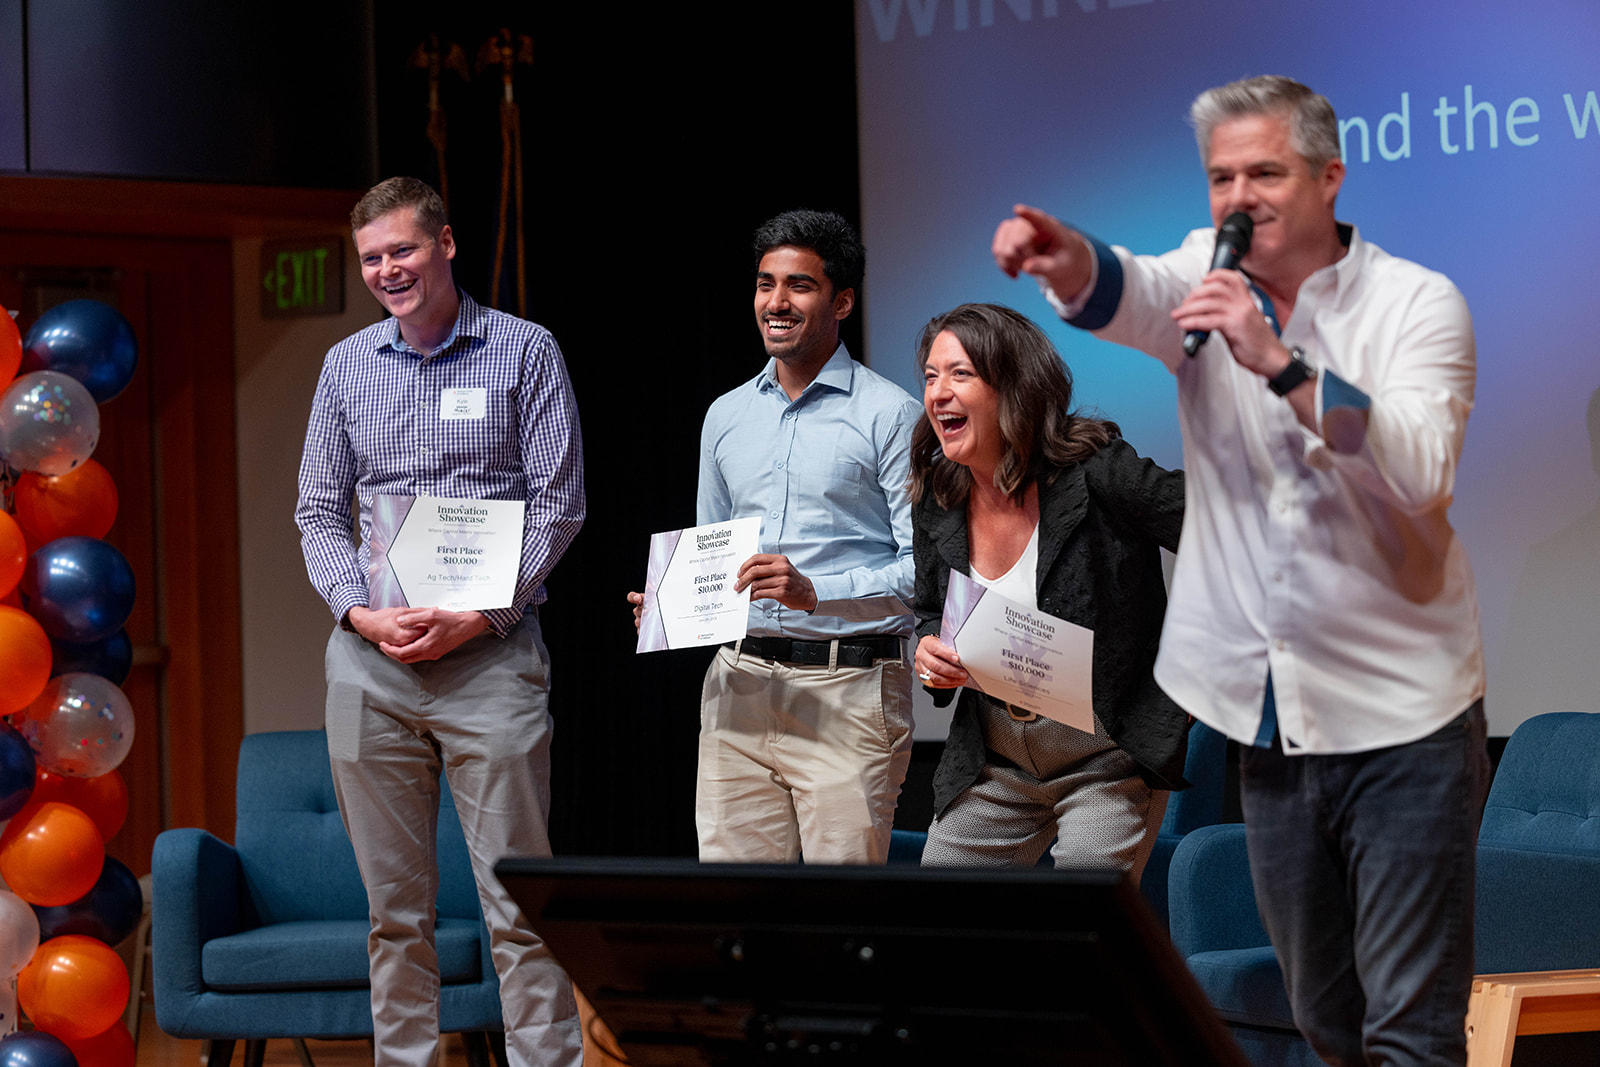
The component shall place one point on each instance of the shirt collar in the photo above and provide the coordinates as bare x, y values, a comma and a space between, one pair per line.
471, 321
837, 374
1347, 267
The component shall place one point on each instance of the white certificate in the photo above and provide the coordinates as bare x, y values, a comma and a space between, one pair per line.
435, 552
1018, 655
688, 587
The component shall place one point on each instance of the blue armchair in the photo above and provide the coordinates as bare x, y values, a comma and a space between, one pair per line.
1539, 850
1538, 887
1218, 932
267, 938
1206, 768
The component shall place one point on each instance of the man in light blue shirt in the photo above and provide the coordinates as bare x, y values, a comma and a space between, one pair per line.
805, 729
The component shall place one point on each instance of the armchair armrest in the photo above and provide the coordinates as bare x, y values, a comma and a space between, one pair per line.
1212, 905
196, 896
1536, 909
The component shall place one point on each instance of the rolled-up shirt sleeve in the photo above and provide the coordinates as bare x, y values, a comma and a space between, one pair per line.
1416, 418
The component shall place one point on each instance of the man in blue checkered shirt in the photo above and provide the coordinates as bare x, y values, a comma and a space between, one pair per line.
442, 399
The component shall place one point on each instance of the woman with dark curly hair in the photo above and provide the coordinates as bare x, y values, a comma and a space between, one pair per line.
1053, 509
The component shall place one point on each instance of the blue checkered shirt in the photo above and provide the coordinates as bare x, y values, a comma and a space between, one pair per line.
375, 430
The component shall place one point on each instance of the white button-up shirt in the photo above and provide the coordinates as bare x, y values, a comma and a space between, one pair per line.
1337, 570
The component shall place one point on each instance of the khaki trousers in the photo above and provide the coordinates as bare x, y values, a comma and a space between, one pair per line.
800, 759
481, 715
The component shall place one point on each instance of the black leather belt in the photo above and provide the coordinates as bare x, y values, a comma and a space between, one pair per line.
853, 651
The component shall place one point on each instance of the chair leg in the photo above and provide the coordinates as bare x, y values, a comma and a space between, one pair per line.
255, 1051
1491, 1026
303, 1052
497, 1047
138, 963
216, 1052
476, 1047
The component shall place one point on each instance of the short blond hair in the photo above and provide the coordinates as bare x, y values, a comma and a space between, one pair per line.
395, 193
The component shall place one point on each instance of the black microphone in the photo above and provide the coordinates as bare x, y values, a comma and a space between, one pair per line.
1233, 241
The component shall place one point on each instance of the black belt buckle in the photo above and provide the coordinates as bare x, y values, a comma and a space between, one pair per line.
1018, 714
810, 653
865, 651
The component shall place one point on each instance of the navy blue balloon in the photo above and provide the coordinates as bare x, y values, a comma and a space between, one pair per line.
109, 912
35, 1048
88, 340
79, 588
111, 659
16, 771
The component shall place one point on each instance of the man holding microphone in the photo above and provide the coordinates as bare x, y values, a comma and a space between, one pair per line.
1323, 611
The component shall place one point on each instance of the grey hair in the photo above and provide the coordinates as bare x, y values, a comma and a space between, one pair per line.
1313, 129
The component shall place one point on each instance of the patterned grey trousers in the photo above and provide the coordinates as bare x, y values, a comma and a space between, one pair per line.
1050, 781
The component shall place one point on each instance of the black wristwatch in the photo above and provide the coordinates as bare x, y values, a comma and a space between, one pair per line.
1296, 372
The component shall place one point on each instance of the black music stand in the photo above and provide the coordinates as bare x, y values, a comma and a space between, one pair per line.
692, 964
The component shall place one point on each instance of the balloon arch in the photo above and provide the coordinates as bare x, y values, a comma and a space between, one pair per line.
65, 594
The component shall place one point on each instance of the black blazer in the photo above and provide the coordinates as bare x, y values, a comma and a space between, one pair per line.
1100, 525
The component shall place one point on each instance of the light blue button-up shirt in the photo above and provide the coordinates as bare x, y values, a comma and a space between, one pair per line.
829, 475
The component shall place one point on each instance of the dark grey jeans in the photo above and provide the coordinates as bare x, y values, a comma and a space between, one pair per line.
1363, 868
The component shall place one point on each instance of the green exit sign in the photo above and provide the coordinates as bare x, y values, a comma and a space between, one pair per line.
302, 277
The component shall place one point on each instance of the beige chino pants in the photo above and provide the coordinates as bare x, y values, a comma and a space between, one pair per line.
481, 715
800, 760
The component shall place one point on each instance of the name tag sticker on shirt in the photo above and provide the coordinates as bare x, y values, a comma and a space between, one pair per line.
463, 404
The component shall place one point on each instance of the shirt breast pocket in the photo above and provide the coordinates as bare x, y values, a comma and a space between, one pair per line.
483, 442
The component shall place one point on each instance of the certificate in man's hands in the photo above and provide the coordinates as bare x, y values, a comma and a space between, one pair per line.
1018, 655
435, 552
688, 587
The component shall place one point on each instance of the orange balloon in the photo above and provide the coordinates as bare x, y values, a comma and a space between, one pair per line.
24, 659
103, 799
114, 1048
51, 854
74, 988
79, 503
13, 552
10, 348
